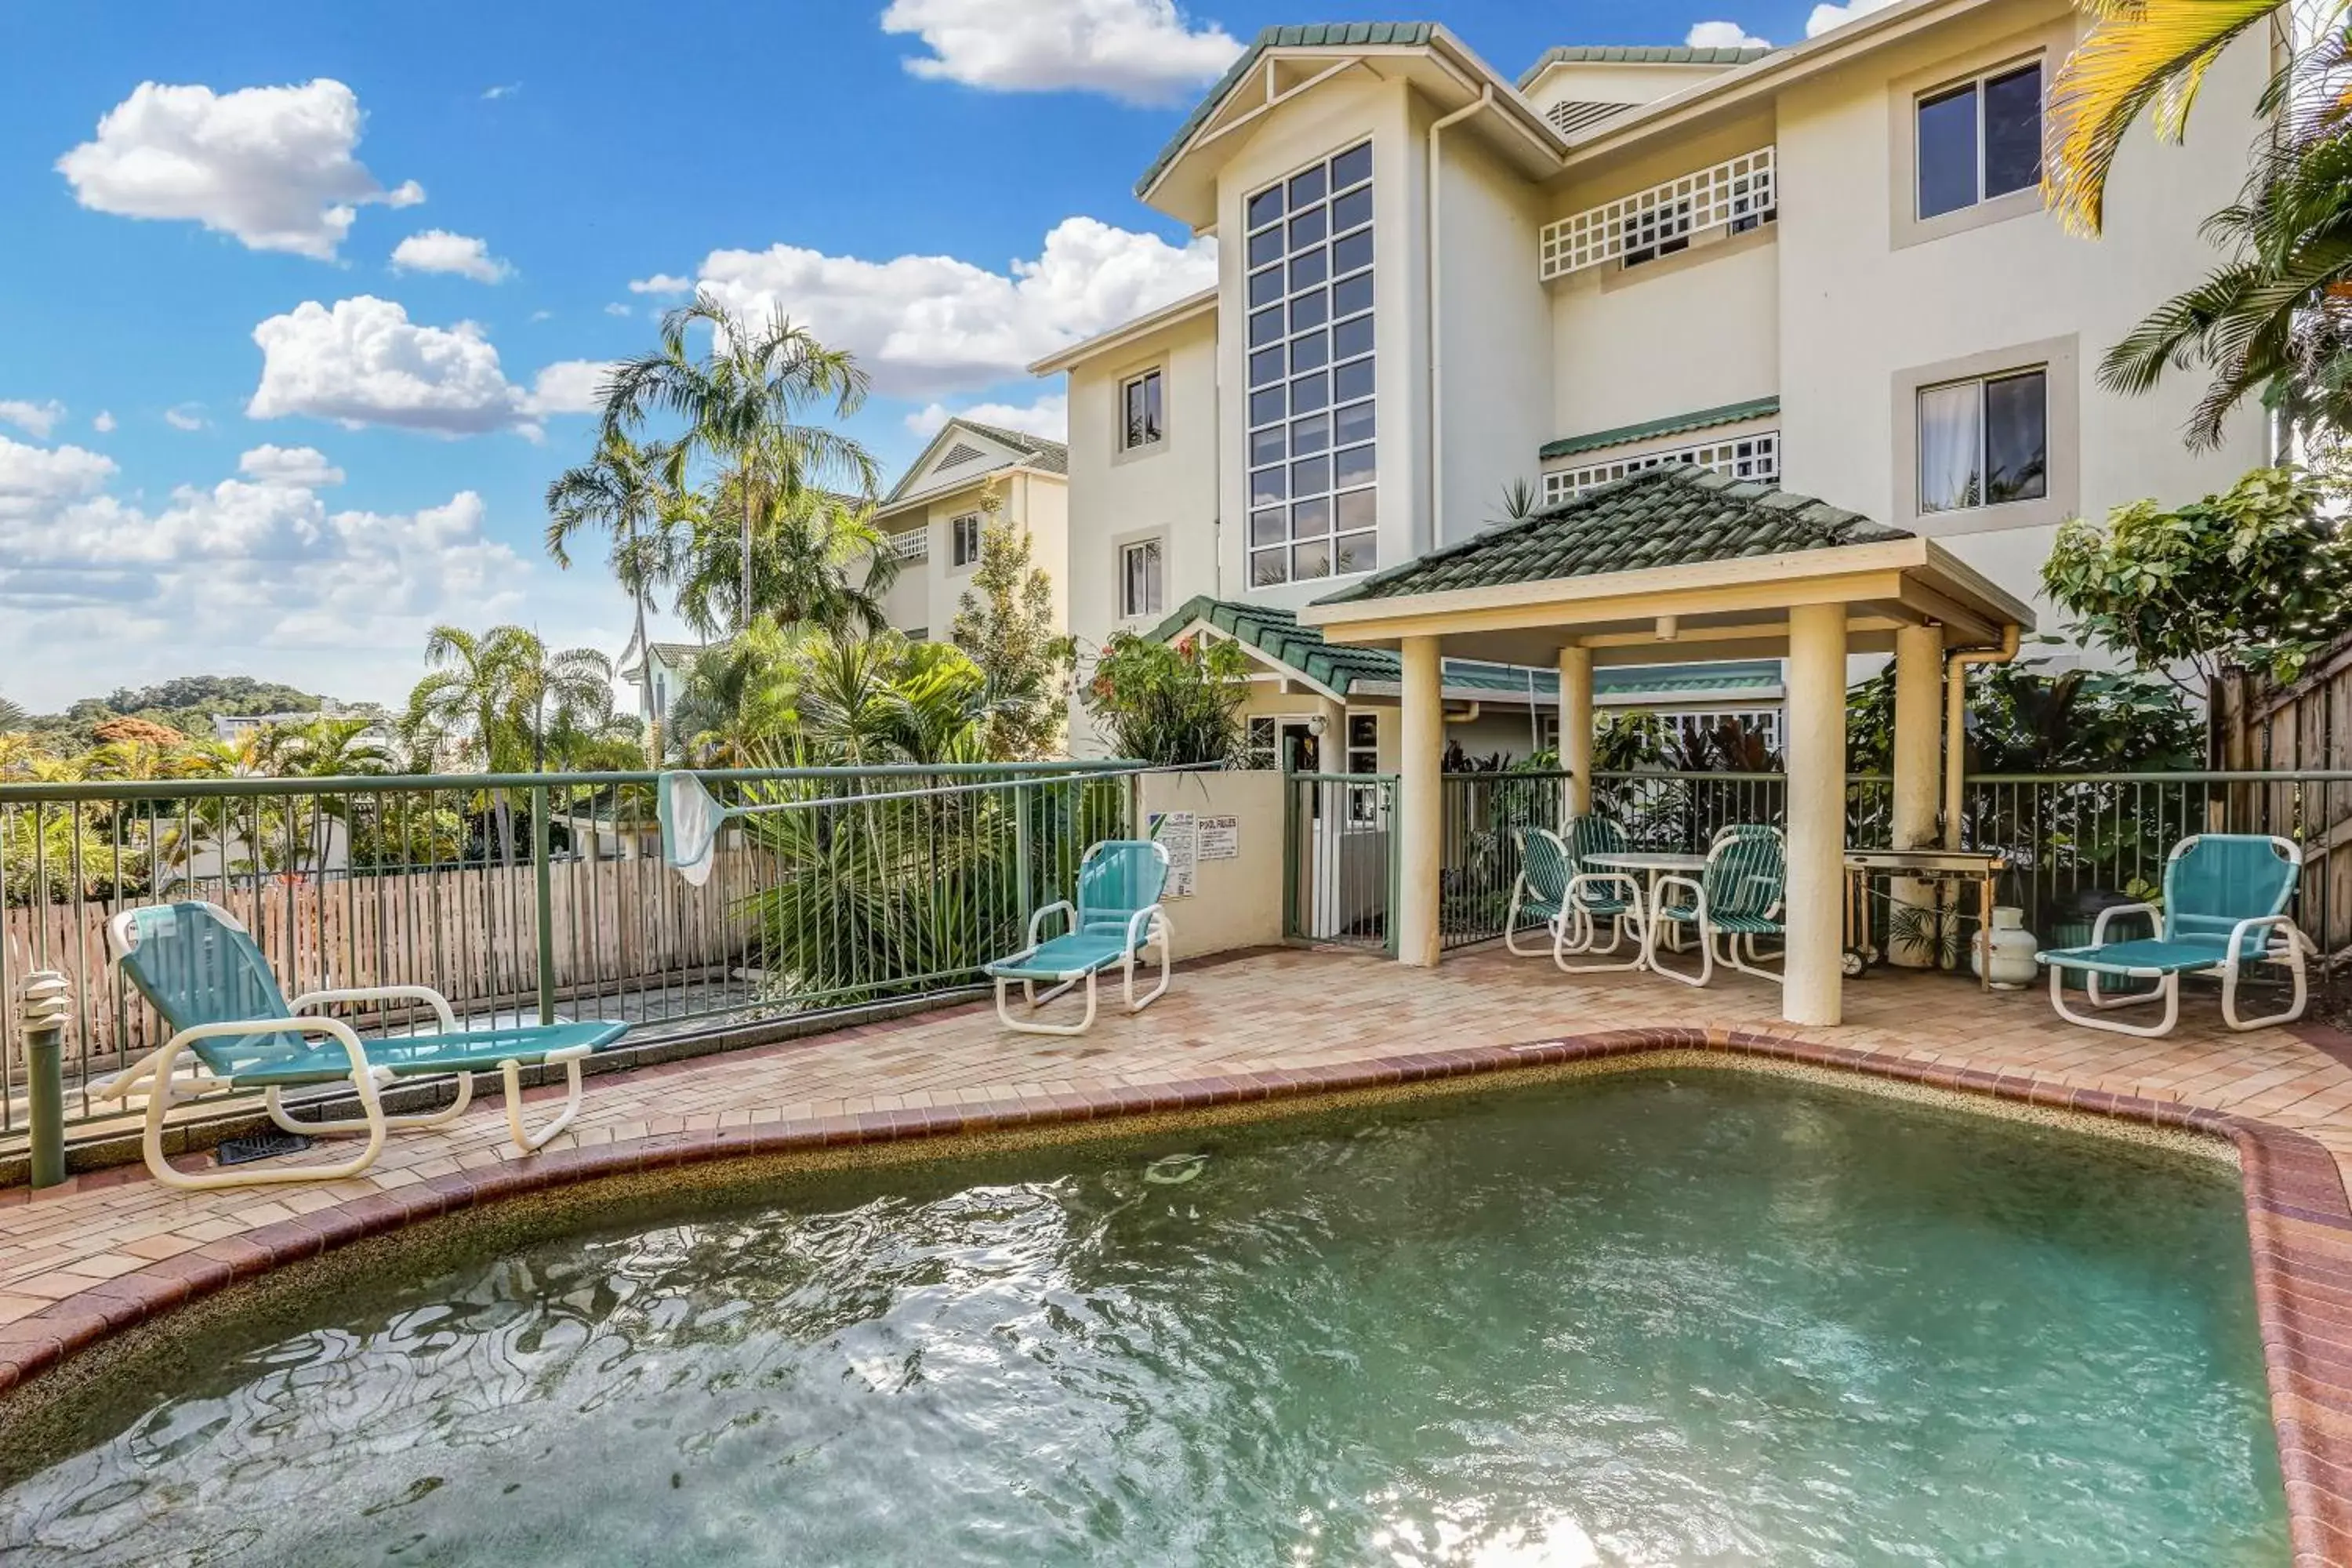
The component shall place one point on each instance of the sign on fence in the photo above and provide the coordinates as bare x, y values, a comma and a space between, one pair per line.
1179, 833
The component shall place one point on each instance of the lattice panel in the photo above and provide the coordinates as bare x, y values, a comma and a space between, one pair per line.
1736, 191
1754, 456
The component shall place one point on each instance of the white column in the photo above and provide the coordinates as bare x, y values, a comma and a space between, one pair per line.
1576, 726
1331, 746
1918, 758
1815, 915
1420, 813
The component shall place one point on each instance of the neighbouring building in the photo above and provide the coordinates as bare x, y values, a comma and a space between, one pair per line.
1825, 267
934, 513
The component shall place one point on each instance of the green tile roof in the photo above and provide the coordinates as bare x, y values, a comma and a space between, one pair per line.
1636, 54
1314, 36
1672, 425
1278, 635
1677, 515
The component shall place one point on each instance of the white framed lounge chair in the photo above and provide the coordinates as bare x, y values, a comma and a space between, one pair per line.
1735, 901
2225, 898
1117, 915
1572, 903
206, 978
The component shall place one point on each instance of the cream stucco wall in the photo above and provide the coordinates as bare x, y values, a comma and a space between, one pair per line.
1235, 903
928, 590
1866, 307
1493, 379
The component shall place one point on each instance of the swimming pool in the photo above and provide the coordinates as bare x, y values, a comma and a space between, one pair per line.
1689, 1317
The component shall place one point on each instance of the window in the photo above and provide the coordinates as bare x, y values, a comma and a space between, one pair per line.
1312, 511
1139, 402
1139, 578
966, 529
1980, 140
1984, 442
1656, 231
1363, 757
661, 695
1258, 750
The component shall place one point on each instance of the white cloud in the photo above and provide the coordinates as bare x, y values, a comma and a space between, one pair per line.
364, 362
271, 165
257, 574
504, 89
34, 418
542, 315
1824, 17
616, 309
571, 387
305, 466
438, 250
102, 422
925, 325
661, 283
1140, 51
1723, 36
1048, 416
186, 417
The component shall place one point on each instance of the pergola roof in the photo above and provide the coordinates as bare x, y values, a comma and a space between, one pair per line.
1672, 564
1674, 515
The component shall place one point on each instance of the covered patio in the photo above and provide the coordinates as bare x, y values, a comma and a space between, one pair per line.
1673, 565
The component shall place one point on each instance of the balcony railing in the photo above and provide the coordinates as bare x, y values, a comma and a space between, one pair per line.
1755, 455
1736, 194
914, 544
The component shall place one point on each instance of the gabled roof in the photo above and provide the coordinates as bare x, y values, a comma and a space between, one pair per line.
1350, 671
1637, 55
1672, 425
1314, 36
1027, 451
1677, 515
676, 655
1053, 457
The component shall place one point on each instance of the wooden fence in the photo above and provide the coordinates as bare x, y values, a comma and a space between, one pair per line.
2302, 729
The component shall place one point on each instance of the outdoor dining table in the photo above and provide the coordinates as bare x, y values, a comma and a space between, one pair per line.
1656, 863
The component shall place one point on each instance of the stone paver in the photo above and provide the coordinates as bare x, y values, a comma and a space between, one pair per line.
111, 1247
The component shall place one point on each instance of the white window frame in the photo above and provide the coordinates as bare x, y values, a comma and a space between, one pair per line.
957, 553
1156, 584
1978, 81
1739, 193
1984, 440
1159, 437
1753, 455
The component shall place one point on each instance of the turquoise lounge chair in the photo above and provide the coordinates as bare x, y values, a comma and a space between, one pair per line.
2225, 898
1118, 916
1556, 888
201, 970
1735, 901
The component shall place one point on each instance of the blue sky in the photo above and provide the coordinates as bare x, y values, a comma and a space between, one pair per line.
235, 437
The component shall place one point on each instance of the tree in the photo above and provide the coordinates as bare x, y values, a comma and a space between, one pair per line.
2254, 576
1172, 705
741, 402
1005, 621
817, 560
2022, 719
620, 491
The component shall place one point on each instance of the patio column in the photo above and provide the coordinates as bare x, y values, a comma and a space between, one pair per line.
1813, 991
1331, 746
1918, 759
1576, 725
1421, 812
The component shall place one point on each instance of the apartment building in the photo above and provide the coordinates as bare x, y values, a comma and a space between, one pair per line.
1825, 268
933, 516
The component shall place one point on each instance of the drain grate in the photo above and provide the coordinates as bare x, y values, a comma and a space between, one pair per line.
260, 1146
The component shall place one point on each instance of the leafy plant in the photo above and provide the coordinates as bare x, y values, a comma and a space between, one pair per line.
2256, 577
1170, 704
1004, 621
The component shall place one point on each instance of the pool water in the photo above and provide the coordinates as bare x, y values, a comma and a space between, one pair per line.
1706, 1318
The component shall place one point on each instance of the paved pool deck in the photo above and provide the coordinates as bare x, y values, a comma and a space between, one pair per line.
108, 1249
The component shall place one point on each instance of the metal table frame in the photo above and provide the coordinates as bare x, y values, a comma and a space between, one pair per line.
1863, 866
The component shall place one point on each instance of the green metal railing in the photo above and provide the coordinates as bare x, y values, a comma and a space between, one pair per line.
1338, 881
546, 895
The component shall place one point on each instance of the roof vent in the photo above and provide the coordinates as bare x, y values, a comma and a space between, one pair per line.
963, 452
1571, 115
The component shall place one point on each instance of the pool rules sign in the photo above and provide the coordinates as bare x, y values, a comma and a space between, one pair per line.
1190, 839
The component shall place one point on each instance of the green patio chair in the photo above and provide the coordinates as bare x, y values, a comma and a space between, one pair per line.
1569, 898
1117, 915
206, 978
1737, 899
2225, 898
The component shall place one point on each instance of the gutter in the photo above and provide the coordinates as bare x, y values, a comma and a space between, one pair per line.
1956, 721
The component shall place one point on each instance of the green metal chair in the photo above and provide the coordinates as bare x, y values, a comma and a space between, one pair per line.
2225, 898
1737, 899
1558, 889
1117, 915
201, 970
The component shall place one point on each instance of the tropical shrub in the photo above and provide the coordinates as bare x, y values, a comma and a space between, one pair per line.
1004, 621
1170, 704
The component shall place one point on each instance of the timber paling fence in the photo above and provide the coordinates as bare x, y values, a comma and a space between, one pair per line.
2074, 841
545, 895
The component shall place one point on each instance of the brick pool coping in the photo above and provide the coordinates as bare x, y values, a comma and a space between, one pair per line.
2298, 1220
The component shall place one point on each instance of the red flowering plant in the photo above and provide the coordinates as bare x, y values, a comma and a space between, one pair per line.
1170, 704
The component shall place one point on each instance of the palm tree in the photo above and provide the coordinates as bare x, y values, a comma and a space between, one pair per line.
804, 566
742, 402
620, 491
468, 698
2138, 53
563, 692
333, 748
